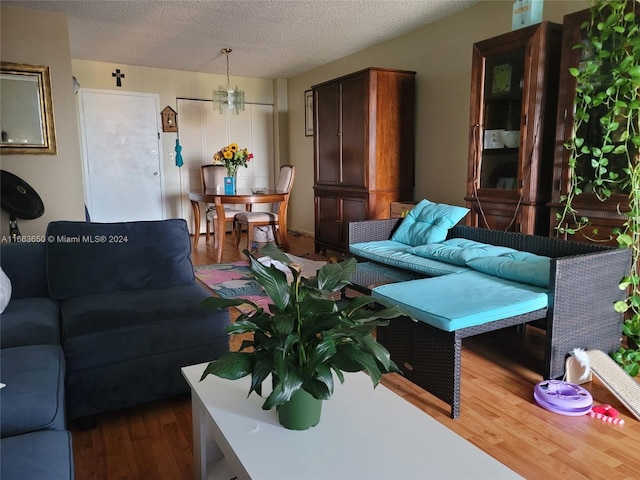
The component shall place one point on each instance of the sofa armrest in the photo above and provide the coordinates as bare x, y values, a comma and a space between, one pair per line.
582, 291
372, 230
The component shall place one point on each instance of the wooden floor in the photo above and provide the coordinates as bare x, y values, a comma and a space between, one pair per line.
153, 441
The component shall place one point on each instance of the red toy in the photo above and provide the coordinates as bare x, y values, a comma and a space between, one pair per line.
606, 413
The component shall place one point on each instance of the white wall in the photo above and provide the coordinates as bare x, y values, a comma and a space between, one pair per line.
440, 53
169, 85
30, 36
43, 39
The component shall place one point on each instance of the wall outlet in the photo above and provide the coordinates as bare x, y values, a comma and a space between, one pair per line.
172, 155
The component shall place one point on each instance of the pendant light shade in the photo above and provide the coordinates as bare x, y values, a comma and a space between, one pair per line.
230, 100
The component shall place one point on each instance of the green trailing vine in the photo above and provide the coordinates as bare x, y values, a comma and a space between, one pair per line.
629, 358
604, 145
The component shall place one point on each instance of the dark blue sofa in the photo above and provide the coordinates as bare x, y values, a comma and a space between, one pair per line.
102, 316
34, 442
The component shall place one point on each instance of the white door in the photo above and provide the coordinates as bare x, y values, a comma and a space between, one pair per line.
122, 157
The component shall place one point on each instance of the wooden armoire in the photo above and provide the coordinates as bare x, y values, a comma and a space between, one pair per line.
363, 150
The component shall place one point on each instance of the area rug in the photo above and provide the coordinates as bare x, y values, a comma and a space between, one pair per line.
235, 280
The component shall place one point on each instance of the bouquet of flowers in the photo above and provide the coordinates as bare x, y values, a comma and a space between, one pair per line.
232, 157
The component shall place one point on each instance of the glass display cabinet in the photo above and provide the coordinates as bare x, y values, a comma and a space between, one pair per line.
604, 216
511, 133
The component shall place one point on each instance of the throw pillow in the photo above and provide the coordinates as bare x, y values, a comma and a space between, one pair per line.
5, 290
458, 251
517, 266
428, 222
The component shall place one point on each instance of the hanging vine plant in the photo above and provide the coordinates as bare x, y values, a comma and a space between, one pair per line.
604, 145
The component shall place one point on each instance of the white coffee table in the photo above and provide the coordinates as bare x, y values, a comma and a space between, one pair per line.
363, 434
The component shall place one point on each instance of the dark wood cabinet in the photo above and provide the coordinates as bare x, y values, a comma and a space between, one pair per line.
363, 150
514, 89
604, 216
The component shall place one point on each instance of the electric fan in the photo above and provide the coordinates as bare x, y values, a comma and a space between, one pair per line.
19, 200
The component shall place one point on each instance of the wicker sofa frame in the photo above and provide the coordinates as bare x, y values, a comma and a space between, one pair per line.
583, 287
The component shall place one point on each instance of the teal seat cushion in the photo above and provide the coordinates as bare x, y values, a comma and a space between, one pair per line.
395, 254
467, 299
428, 222
458, 251
517, 266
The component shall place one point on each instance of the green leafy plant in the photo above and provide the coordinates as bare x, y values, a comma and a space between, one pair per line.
306, 336
628, 359
605, 142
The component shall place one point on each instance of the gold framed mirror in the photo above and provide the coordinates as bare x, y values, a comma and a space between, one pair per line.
26, 110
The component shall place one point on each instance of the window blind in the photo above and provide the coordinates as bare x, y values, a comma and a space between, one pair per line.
203, 131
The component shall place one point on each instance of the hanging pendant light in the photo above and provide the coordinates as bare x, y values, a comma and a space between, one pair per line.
230, 100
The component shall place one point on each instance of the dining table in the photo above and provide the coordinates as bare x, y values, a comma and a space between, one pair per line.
245, 197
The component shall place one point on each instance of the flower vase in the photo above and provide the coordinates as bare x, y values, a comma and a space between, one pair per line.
229, 185
301, 412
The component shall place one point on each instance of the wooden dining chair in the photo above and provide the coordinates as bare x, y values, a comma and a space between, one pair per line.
213, 179
250, 220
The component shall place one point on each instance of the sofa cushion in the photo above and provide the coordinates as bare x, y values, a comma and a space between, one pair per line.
33, 398
86, 258
24, 264
458, 251
43, 455
125, 348
395, 254
106, 328
428, 222
30, 321
517, 266
467, 299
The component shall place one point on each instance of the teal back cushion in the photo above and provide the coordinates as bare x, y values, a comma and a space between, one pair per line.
428, 222
517, 266
458, 251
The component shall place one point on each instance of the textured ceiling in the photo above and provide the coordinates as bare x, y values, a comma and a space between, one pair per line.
269, 38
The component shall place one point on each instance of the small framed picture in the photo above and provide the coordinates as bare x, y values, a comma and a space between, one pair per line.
308, 113
501, 79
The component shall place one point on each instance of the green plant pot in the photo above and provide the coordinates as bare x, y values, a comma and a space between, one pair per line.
301, 412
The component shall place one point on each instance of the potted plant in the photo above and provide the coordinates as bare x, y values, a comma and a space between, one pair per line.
605, 142
304, 339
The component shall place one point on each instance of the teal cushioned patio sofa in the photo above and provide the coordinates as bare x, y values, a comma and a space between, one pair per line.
502, 279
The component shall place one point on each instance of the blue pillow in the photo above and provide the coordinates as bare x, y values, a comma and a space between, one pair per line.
428, 222
458, 251
517, 266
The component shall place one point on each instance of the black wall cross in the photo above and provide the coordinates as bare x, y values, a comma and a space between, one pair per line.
119, 76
